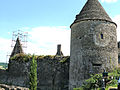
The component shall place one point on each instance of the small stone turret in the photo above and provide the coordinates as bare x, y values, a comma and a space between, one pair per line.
17, 48
93, 44
59, 52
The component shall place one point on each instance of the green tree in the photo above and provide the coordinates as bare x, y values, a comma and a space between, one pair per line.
33, 74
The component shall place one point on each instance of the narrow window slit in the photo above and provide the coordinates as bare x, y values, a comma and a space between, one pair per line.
97, 64
102, 36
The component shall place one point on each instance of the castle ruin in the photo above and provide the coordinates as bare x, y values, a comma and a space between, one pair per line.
94, 48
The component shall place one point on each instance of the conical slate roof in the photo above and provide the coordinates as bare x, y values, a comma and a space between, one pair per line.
92, 10
17, 48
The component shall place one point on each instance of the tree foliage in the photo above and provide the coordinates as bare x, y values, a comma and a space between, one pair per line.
96, 81
93, 82
33, 74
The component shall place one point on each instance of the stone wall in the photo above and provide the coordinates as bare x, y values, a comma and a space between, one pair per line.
93, 49
17, 74
52, 73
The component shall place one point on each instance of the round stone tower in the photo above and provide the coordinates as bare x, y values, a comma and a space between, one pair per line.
93, 44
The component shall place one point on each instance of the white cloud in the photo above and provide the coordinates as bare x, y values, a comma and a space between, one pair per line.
109, 1
41, 41
5, 48
44, 40
116, 19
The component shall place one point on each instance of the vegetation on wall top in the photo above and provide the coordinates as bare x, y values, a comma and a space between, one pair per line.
21, 57
26, 57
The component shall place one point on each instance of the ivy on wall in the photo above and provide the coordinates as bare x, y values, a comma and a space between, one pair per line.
33, 74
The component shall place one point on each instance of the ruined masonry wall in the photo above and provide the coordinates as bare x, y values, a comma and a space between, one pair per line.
52, 74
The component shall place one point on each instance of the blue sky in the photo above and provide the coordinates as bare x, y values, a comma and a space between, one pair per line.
47, 23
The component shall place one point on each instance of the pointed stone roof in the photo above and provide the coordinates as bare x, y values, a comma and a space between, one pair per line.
92, 10
17, 48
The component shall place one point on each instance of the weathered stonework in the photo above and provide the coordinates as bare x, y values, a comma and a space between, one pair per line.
89, 52
17, 74
52, 73
93, 44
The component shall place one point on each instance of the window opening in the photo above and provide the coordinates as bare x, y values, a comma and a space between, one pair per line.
97, 64
118, 44
101, 36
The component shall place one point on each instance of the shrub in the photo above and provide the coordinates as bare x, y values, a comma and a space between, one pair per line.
95, 81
